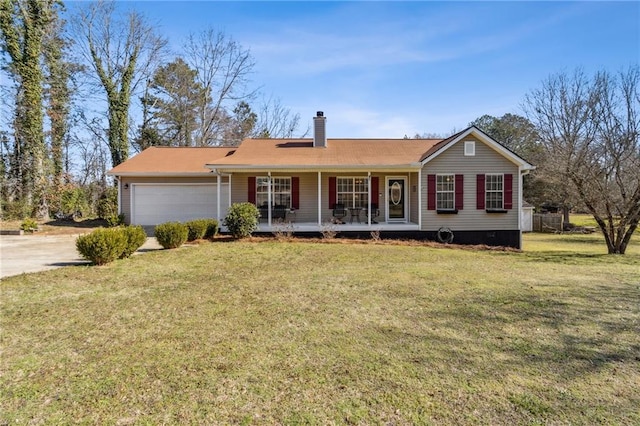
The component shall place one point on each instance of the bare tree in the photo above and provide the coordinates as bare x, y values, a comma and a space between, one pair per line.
121, 51
276, 121
223, 68
590, 128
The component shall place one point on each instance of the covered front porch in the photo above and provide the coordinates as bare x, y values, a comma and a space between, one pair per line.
350, 200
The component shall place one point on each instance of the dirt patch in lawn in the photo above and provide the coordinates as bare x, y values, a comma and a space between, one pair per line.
58, 226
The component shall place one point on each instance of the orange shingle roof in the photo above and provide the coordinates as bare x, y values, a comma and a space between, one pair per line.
169, 160
337, 153
293, 153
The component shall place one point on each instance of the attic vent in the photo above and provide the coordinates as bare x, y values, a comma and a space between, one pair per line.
469, 148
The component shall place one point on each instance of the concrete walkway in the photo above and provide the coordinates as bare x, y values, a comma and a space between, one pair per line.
32, 253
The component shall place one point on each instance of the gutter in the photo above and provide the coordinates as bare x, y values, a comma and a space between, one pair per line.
312, 168
159, 174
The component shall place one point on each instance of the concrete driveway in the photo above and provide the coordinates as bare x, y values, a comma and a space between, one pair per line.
32, 253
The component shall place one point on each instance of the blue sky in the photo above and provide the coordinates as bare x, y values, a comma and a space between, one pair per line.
386, 69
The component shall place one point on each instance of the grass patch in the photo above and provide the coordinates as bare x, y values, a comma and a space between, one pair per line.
313, 333
583, 220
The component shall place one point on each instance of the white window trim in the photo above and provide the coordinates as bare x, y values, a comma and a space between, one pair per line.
353, 193
486, 191
469, 148
270, 179
453, 192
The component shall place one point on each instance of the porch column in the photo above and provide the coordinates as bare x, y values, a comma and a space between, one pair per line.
319, 198
229, 189
369, 198
269, 198
218, 179
420, 198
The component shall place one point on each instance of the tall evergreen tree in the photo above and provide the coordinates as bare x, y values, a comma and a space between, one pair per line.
173, 101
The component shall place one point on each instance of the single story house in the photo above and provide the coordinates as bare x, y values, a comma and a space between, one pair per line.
467, 187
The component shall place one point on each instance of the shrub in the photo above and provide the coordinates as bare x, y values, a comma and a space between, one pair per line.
197, 228
29, 225
212, 228
108, 203
136, 237
15, 210
242, 219
73, 202
102, 245
115, 220
171, 234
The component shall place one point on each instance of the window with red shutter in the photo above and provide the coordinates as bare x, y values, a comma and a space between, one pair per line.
431, 192
295, 192
375, 190
251, 189
480, 192
332, 191
508, 191
459, 192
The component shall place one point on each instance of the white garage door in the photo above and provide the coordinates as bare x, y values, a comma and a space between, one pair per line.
153, 204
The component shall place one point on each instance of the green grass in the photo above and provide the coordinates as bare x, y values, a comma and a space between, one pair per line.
312, 333
583, 220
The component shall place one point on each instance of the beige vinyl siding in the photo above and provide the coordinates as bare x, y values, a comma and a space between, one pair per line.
413, 197
125, 193
453, 161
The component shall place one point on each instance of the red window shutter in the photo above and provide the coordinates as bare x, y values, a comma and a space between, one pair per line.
375, 190
508, 192
431, 192
459, 192
480, 192
251, 190
332, 191
295, 192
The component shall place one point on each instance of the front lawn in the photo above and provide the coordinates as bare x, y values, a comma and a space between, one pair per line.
313, 333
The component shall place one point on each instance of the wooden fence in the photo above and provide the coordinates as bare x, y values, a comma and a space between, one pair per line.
547, 222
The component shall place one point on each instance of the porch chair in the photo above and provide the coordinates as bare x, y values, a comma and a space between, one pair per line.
279, 212
339, 212
264, 211
375, 212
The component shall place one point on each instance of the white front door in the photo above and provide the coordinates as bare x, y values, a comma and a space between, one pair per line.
397, 205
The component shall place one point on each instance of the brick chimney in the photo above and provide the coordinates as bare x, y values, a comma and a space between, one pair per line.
320, 130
